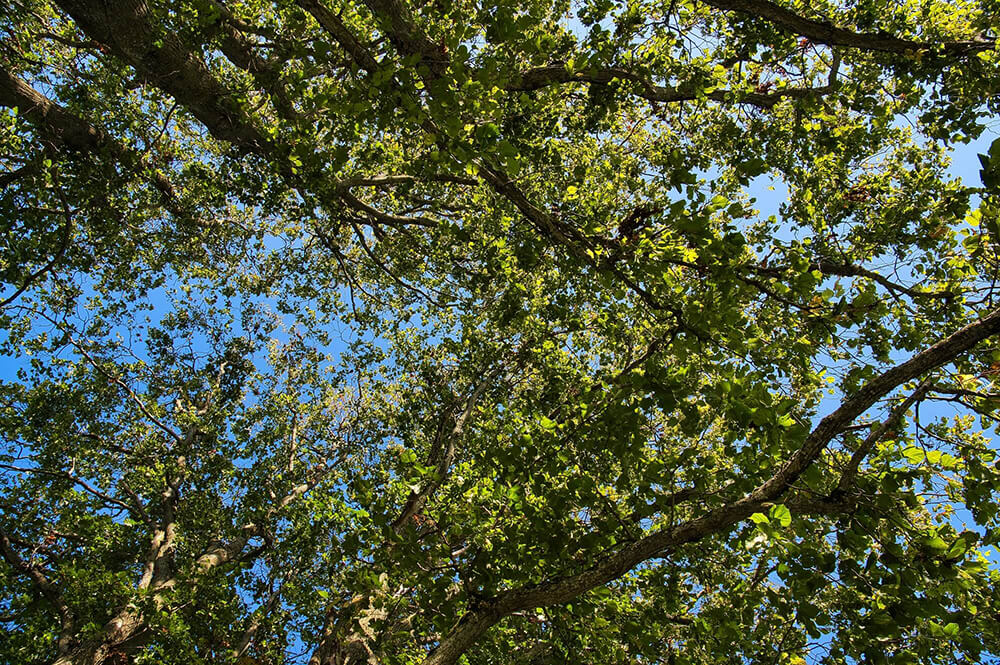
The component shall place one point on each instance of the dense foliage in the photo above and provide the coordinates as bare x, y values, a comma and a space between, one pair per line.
453, 332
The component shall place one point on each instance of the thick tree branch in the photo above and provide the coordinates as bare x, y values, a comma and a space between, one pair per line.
122, 628
826, 33
60, 127
136, 503
166, 62
663, 541
240, 53
162, 59
125, 630
336, 28
847, 270
158, 569
256, 620
828, 267
877, 434
220, 553
383, 217
542, 77
937, 355
47, 588
399, 24
542, 220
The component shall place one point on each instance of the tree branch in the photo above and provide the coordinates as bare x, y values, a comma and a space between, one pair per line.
400, 26
877, 434
77, 480
336, 28
388, 180
542, 77
48, 590
60, 127
157, 570
383, 217
826, 33
847, 270
443, 458
67, 233
663, 541
162, 59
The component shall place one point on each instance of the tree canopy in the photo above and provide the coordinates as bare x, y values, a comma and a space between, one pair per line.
605, 331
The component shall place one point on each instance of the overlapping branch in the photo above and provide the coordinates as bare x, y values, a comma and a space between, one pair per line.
878, 433
60, 127
663, 541
822, 32
542, 77
45, 586
443, 453
163, 60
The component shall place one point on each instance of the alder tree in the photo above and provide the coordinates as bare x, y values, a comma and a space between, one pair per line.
506, 332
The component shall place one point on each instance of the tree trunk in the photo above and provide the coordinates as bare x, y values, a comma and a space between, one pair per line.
110, 646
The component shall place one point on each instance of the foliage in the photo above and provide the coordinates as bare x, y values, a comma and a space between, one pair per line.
453, 332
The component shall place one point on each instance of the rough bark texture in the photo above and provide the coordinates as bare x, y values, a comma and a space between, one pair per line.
160, 57
61, 127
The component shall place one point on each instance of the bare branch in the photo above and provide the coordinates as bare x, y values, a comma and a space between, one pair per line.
128, 391
847, 270
388, 180
384, 217
87, 487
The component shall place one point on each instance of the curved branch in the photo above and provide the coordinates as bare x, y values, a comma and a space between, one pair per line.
398, 22
162, 59
828, 267
33, 277
541, 77
846, 270
831, 35
443, 457
384, 217
60, 127
663, 541
876, 435
336, 28
47, 588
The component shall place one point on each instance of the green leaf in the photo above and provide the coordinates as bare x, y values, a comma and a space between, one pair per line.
934, 544
781, 514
